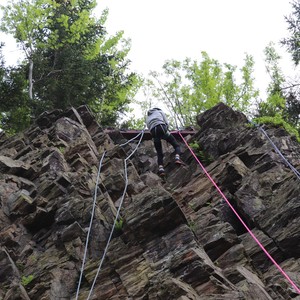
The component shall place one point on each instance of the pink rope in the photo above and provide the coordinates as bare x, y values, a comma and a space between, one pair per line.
248, 229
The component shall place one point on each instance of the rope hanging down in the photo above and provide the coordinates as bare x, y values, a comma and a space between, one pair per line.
238, 216
142, 132
296, 172
90, 227
118, 213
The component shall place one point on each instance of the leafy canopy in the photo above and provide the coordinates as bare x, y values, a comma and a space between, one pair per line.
292, 43
279, 107
188, 87
70, 60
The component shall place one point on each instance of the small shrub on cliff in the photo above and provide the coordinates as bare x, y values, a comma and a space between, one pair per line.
204, 157
277, 120
119, 225
26, 279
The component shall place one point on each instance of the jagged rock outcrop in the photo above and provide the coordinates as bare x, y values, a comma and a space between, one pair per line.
178, 240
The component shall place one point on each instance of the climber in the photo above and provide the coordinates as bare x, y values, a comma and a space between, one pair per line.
157, 123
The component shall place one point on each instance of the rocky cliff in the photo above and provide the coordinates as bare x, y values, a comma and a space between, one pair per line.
177, 239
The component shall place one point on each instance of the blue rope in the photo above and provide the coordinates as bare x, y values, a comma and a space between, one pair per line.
296, 172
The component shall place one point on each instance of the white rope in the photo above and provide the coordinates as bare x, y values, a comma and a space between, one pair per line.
90, 227
118, 213
142, 132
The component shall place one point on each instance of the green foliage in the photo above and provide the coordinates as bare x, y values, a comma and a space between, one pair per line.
249, 125
16, 120
292, 43
133, 123
277, 120
272, 59
15, 112
32, 259
144, 104
119, 224
201, 154
192, 225
209, 203
62, 149
70, 61
27, 21
26, 280
278, 109
274, 105
189, 87
192, 206
292, 109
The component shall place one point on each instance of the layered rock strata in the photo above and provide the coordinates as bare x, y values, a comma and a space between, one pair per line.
176, 239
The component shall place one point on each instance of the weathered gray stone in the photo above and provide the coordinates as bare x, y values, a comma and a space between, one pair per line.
19, 204
15, 167
70, 232
177, 239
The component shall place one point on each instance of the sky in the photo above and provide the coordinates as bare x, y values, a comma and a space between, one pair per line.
174, 29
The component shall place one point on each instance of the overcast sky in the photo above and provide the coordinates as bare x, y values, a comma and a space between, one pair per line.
176, 29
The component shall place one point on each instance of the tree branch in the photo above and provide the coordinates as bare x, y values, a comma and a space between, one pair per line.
49, 74
291, 86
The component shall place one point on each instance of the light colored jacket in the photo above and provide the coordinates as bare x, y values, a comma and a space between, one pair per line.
155, 117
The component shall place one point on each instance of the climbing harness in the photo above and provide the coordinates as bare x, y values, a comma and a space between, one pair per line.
238, 216
116, 218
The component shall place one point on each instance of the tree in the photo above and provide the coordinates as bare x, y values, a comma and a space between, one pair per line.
27, 21
70, 58
292, 109
189, 87
292, 43
275, 102
14, 114
279, 107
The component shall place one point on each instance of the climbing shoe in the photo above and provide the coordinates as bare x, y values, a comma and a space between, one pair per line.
178, 160
161, 171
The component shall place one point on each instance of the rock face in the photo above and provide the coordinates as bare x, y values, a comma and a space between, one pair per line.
177, 240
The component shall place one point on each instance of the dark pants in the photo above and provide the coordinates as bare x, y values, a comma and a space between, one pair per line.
161, 132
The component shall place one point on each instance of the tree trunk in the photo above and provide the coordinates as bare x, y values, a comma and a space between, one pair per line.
30, 77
